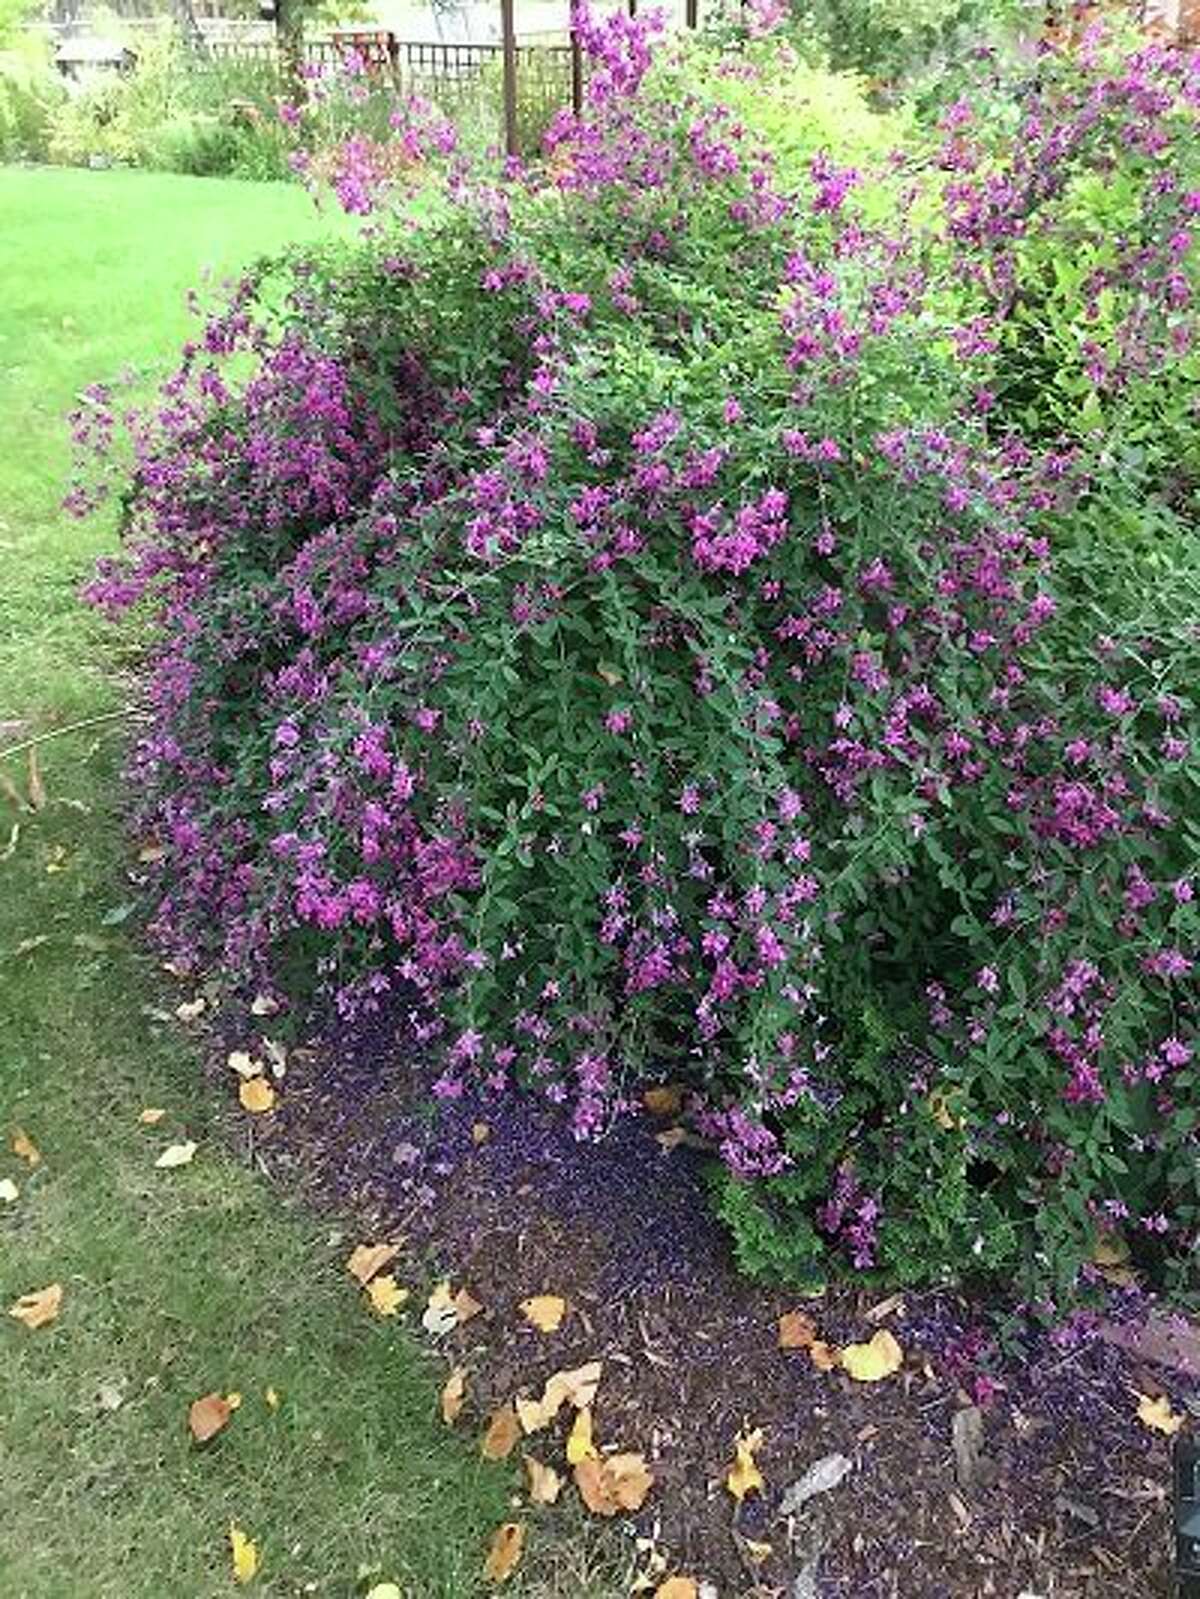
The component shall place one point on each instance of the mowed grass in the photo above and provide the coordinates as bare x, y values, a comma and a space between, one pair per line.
176, 1283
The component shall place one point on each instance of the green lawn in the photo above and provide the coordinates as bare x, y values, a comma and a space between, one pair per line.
176, 1282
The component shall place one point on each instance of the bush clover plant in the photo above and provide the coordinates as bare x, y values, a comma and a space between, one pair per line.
657, 614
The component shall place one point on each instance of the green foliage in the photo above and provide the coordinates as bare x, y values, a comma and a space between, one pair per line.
30, 92
889, 40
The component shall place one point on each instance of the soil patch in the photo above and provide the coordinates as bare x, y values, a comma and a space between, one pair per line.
1056, 1489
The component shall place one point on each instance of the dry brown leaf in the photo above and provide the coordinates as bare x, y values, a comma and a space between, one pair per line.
595, 1487
824, 1356
619, 1482
367, 1259
39, 1308
37, 789
152, 1115
872, 1362
1158, 1415
580, 1443
257, 1096
744, 1476
386, 1295
208, 1416
544, 1311
545, 1484
502, 1435
677, 1588
892, 1305
796, 1330
480, 1133
672, 1138
665, 1100
465, 1306
151, 853
176, 1155
24, 1147
454, 1395
504, 1555
631, 1478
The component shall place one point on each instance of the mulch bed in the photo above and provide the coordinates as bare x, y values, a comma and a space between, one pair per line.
1073, 1496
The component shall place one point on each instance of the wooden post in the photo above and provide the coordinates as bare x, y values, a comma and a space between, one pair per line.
509, 37
576, 73
633, 8
692, 13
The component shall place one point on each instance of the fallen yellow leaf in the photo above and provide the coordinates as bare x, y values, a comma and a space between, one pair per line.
176, 1155
272, 1399
9, 1192
756, 1553
1110, 1249
151, 1116
441, 1313
796, 1330
245, 1554
744, 1476
263, 1005
25, 1148
544, 1311
505, 1552
580, 1444
453, 1395
503, 1431
386, 1295
939, 1109
577, 1387
366, 1259
545, 1484
256, 1095
385, 1590
234, 1400
677, 1588
873, 1361
1158, 1415
480, 1133
39, 1308
208, 1416
190, 1009
151, 853
244, 1064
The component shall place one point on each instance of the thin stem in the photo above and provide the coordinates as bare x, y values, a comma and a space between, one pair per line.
60, 732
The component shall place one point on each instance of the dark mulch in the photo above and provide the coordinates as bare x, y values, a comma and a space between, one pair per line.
1073, 1499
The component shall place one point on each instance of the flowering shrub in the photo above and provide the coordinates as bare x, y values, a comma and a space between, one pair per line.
616, 621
